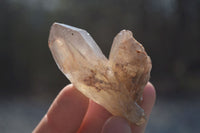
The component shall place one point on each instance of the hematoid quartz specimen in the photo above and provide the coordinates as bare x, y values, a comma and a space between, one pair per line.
116, 83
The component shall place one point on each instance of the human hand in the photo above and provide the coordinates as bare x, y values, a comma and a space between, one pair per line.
72, 112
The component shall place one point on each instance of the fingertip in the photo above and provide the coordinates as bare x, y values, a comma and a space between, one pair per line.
66, 89
149, 97
116, 125
70, 94
149, 91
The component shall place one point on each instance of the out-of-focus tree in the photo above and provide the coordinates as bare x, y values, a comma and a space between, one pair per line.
169, 30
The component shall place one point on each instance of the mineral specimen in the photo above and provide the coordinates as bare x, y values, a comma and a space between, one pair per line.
116, 83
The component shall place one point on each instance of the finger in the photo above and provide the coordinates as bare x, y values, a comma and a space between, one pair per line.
65, 114
149, 96
94, 119
116, 125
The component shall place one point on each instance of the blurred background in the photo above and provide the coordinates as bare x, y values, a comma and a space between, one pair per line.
168, 29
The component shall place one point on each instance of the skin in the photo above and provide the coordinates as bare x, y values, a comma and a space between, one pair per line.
72, 112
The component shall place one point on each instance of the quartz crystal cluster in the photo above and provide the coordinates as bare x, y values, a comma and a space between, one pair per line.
116, 83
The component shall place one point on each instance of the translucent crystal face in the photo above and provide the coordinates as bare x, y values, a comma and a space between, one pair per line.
116, 83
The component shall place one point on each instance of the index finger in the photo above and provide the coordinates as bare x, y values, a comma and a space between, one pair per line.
66, 112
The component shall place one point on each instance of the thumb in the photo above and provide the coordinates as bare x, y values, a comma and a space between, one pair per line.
116, 125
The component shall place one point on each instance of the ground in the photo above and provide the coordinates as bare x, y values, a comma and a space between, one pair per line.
169, 116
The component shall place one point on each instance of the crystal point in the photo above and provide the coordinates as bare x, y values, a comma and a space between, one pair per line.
117, 84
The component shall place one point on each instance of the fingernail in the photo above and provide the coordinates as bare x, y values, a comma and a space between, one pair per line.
116, 125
